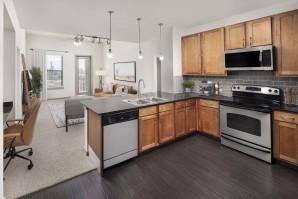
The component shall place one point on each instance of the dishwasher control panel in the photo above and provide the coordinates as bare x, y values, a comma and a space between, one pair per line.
118, 117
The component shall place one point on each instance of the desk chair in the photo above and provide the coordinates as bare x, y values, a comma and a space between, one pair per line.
20, 134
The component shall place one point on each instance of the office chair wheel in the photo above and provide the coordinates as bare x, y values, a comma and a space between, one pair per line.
30, 166
30, 153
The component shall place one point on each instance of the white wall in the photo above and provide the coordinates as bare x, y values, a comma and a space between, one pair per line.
125, 52
178, 32
1, 93
9, 67
19, 44
59, 44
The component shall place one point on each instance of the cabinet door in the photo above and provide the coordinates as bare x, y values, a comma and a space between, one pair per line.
191, 118
213, 52
166, 126
259, 32
191, 55
210, 120
180, 122
286, 42
235, 36
147, 132
286, 141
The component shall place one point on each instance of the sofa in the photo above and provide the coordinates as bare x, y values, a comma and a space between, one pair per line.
74, 109
112, 90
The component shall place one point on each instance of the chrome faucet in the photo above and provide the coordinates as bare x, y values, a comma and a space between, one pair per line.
139, 88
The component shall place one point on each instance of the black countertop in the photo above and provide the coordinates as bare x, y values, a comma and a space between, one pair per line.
115, 103
286, 108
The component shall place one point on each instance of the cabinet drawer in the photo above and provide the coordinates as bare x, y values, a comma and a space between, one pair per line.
148, 111
180, 104
286, 117
209, 103
191, 102
166, 107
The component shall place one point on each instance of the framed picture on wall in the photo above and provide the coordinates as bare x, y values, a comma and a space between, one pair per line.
125, 71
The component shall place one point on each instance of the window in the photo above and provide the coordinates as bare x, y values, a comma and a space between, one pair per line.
54, 71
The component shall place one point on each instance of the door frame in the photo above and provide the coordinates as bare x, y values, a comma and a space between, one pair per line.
76, 73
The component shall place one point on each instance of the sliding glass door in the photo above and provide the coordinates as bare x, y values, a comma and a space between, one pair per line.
83, 75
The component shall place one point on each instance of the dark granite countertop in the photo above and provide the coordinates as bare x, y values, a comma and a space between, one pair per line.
286, 108
115, 103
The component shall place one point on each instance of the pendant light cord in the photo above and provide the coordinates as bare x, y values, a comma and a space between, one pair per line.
139, 19
160, 37
110, 12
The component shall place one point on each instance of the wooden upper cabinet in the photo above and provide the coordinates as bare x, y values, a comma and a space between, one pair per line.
258, 32
191, 55
285, 28
235, 36
213, 52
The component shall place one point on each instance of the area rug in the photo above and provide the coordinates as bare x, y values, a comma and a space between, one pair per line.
57, 156
58, 114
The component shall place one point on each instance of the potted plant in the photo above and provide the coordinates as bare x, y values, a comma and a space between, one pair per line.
36, 81
188, 84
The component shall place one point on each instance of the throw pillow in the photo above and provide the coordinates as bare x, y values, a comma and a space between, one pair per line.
108, 88
119, 90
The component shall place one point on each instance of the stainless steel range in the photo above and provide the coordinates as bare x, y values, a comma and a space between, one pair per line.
245, 120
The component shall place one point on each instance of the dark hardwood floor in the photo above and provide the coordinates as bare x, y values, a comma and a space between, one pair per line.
196, 167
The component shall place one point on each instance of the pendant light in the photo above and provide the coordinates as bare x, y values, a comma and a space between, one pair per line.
161, 57
140, 55
110, 55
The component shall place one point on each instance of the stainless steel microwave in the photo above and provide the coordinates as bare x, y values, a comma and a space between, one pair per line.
256, 58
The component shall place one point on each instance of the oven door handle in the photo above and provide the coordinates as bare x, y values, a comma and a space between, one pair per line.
252, 147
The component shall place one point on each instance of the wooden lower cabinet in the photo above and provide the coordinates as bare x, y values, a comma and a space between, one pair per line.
166, 126
180, 122
208, 117
191, 123
285, 140
148, 132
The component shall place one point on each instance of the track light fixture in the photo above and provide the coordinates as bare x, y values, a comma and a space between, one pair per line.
140, 55
161, 57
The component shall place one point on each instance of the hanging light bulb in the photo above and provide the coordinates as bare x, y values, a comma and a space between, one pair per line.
110, 55
140, 56
161, 57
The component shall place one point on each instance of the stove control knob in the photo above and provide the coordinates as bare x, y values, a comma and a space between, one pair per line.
238, 87
270, 90
234, 87
275, 91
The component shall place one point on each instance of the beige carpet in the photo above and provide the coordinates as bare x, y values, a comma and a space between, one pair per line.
57, 157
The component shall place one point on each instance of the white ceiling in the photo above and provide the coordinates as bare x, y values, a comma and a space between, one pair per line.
91, 17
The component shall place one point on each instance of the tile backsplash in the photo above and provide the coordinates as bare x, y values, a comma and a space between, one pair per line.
264, 78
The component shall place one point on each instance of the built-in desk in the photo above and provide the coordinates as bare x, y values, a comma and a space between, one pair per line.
7, 107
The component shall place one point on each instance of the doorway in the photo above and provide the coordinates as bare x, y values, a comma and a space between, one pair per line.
83, 75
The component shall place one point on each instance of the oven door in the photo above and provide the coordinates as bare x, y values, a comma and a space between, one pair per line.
250, 126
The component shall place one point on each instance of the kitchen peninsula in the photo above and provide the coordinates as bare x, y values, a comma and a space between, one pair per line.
157, 122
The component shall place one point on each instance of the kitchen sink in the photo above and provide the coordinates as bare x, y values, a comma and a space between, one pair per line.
145, 101
156, 99
137, 101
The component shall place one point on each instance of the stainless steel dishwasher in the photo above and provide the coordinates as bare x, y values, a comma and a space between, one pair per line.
120, 137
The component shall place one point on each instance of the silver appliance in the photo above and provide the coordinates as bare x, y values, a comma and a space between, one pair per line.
245, 120
256, 58
120, 137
